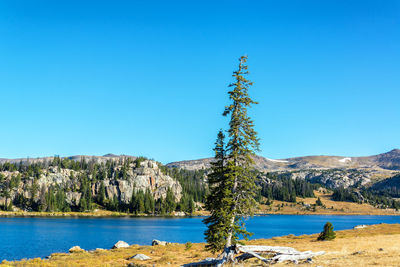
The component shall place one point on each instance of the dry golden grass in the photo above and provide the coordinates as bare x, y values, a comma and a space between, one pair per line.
377, 245
331, 207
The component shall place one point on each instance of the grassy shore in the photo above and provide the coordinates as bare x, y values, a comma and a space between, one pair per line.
376, 245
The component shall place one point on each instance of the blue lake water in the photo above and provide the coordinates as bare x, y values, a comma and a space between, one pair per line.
39, 237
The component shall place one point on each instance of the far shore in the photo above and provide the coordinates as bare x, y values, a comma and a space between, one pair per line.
107, 214
277, 207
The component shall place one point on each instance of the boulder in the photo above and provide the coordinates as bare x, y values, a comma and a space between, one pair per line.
141, 257
156, 242
121, 244
75, 249
360, 226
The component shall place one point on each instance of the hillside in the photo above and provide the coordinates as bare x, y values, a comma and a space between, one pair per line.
129, 184
386, 161
328, 207
88, 183
331, 171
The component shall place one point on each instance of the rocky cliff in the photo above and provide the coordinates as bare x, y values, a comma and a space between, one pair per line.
138, 175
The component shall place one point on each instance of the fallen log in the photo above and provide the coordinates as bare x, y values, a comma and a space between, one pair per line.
295, 257
279, 254
226, 256
272, 249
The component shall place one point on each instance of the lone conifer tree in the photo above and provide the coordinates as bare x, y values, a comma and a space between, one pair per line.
232, 182
327, 233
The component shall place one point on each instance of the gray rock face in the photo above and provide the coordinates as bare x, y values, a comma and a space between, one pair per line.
120, 244
333, 178
141, 257
147, 176
156, 242
360, 226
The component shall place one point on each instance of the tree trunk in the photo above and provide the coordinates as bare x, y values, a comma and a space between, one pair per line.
228, 243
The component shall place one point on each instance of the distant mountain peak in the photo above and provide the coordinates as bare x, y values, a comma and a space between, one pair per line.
110, 155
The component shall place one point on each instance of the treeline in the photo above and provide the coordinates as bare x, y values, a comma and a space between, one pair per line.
286, 189
192, 181
389, 187
365, 196
144, 203
342, 194
99, 171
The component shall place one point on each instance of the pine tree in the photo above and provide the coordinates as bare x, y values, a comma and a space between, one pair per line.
102, 194
191, 206
170, 201
234, 199
148, 202
318, 202
132, 203
217, 223
327, 233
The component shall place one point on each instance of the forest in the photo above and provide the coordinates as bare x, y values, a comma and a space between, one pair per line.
54, 198
271, 186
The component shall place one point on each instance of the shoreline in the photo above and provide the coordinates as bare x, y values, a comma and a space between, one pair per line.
13, 214
358, 247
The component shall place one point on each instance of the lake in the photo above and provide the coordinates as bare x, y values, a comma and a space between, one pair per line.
39, 237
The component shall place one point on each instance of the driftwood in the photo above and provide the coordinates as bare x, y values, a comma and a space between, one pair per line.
226, 256
278, 254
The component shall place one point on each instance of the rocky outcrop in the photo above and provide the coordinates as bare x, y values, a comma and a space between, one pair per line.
147, 176
76, 249
120, 244
141, 257
156, 242
333, 178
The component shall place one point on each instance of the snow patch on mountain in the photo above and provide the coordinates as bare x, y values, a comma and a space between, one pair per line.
277, 160
344, 160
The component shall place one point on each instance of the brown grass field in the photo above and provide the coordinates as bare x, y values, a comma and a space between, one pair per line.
331, 207
377, 245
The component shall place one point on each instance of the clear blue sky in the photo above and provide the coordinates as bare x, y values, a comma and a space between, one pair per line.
150, 78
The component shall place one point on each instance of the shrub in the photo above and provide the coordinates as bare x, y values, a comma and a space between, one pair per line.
319, 202
327, 233
188, 245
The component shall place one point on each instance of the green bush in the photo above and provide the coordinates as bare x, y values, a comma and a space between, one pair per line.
188, 245
327, 233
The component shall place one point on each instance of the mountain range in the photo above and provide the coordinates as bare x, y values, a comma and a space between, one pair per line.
386, 161
389, 161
